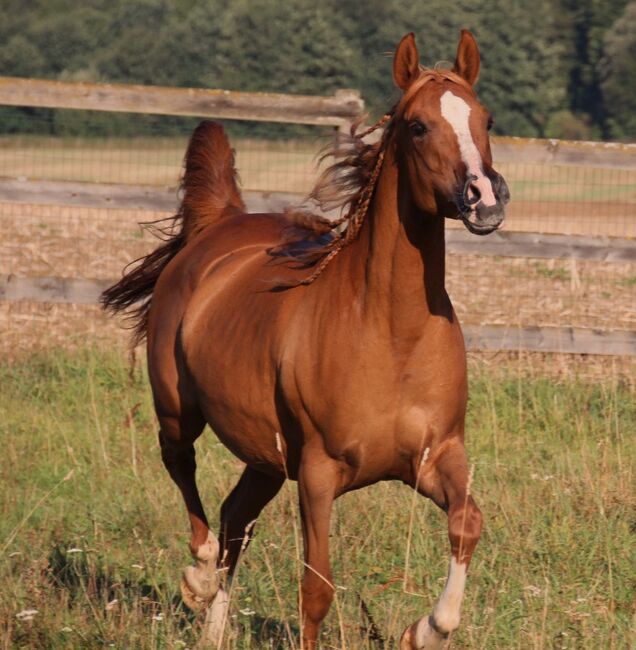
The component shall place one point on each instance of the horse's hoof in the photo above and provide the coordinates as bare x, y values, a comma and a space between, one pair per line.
422, 635
196, 602
406, 642
200, 583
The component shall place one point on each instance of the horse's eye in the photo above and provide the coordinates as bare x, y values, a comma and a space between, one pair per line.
491, 121
417, 128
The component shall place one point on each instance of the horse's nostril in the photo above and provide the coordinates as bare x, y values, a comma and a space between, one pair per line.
474, 195
502, 193
471, 193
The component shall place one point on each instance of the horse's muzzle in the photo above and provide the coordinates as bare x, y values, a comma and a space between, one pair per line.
479, 218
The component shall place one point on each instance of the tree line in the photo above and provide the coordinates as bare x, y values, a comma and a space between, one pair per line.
555, 68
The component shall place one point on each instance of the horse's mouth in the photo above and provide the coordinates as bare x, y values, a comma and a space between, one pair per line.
479, 226
481, 219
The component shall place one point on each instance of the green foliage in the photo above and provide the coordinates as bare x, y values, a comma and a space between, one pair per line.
567, 126
521, 84
542, 68
582, 26
617, 70
292, 47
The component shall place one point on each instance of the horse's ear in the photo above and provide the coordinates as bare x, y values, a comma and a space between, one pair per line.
406, 63
467, 58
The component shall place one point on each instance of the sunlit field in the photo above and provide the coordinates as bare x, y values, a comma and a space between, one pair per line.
550, 198
93, 534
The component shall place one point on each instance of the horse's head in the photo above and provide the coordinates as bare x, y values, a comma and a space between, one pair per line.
441, 136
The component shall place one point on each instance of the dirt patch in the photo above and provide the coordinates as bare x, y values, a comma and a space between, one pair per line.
526, 292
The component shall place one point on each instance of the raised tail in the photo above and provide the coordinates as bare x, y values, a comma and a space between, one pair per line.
210, 192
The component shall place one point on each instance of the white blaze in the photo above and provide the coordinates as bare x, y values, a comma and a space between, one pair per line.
457, 112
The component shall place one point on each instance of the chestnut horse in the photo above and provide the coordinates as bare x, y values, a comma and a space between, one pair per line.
331, 356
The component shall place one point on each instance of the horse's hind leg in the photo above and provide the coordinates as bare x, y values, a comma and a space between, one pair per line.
240, 511
177, 435
451, 491
238, 515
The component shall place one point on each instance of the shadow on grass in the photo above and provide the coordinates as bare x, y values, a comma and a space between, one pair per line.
272, 633
85, 578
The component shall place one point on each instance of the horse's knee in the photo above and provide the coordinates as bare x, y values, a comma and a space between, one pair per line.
464, 529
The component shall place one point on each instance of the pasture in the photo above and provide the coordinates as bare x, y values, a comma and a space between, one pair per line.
567, 199
93, 534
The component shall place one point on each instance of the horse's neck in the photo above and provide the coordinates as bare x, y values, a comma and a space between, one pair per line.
404, 270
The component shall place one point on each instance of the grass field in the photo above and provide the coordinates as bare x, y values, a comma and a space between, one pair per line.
93, 534
287, 165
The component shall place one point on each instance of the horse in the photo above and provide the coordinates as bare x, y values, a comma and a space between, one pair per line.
325, 352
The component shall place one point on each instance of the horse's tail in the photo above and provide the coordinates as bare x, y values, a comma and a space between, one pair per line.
210, 191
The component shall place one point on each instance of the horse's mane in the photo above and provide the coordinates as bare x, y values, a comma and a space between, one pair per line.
347, 185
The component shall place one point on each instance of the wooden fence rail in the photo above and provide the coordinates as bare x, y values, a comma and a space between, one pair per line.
161, 199
338, 111
573, 340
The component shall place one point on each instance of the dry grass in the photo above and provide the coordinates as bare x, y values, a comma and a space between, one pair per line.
98, 243
263, 164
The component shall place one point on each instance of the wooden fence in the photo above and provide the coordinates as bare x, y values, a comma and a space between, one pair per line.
338, 112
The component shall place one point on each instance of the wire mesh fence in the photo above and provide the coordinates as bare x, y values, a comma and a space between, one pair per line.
137, 151
571, 199
41, 238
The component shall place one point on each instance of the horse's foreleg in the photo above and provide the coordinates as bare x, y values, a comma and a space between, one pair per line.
317, 487
200, 582
238, 514
452, 493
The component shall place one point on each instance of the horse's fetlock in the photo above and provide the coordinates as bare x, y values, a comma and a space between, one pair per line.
444, 621
208, 551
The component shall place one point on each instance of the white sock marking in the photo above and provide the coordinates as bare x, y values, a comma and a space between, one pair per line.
216, 619
457, 112
209, 550
447, 610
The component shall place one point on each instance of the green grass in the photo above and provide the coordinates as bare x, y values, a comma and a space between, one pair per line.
93, 535
552, 272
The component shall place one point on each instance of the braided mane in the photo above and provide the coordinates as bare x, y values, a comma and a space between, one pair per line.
348, 184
